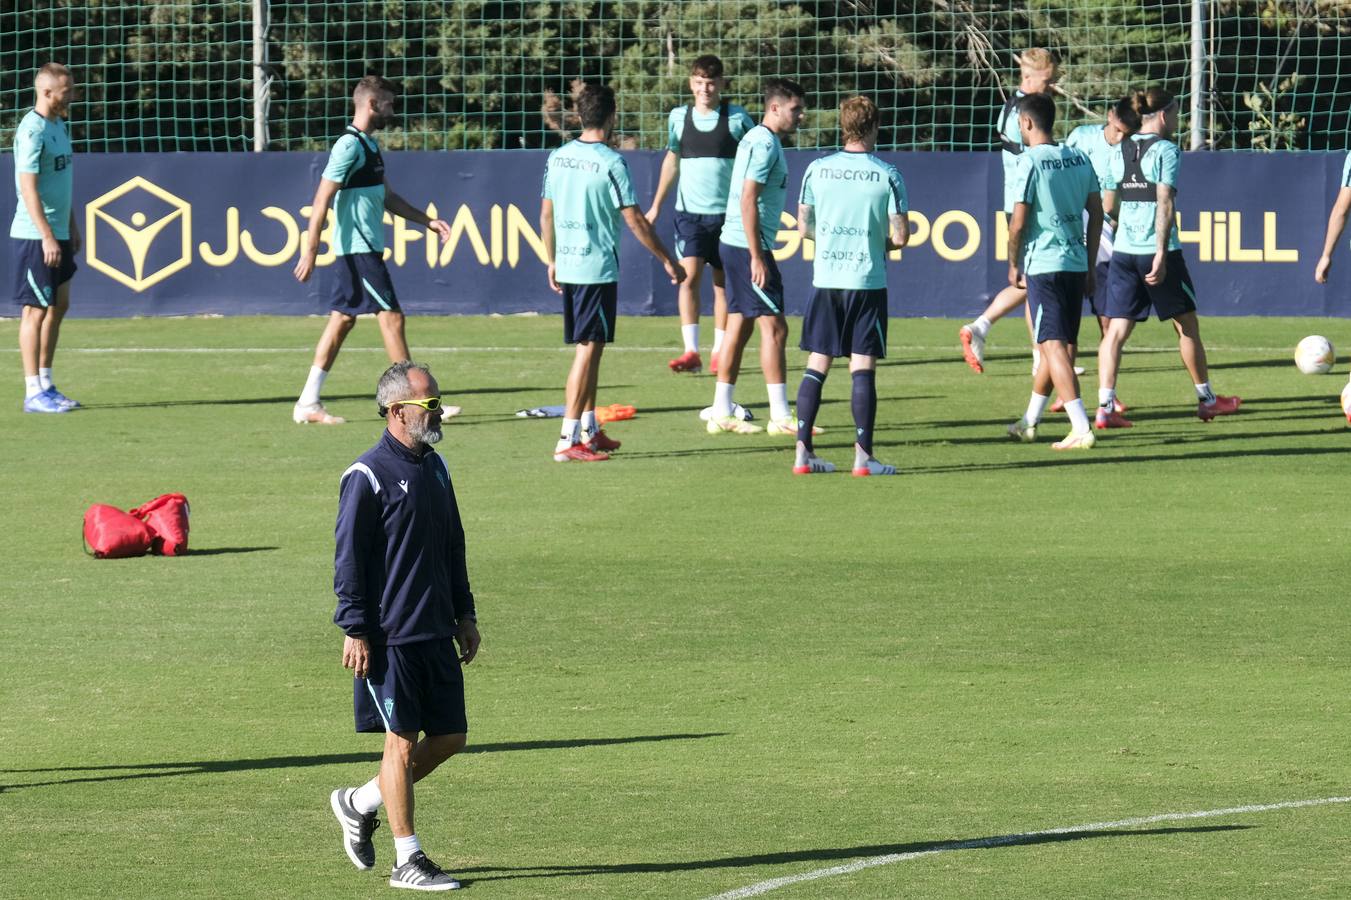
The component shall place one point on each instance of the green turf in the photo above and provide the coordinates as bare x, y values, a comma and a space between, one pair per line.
698, 671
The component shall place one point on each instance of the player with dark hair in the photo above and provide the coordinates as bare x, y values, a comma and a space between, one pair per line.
1038, 69
44, 237
754, 206
587, 191
354, 184
404, 604
854, 206
1147, 265
701, 141
1054, 187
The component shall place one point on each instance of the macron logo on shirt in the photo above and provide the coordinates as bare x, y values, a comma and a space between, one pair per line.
404, 485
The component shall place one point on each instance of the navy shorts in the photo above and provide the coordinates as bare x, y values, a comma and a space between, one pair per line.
412, 687
743, 296
1098, 301
589, 312
1056, 301
35, 283
361, 285
1129, 297
840, 322
696, 235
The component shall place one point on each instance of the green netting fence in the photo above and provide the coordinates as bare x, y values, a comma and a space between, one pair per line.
161, 75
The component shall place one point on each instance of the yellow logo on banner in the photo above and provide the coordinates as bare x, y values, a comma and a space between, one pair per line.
140, 233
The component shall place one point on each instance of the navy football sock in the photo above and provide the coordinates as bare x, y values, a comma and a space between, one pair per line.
863, 401
808, 404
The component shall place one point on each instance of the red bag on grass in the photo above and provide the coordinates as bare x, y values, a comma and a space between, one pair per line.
167, 516
110, 533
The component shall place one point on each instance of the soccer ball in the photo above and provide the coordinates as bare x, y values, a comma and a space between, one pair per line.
738, 410
1314, 355
1346, 401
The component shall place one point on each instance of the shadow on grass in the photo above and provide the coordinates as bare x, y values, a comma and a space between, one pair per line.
1094, 459
222, 551
290, 399
825, 854
135, 771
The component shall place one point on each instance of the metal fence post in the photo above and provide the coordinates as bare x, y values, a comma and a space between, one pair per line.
1198, 65
262, 80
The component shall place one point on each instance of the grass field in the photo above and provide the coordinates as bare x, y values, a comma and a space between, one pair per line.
698, 672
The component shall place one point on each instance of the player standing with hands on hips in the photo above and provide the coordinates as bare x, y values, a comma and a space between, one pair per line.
404, 604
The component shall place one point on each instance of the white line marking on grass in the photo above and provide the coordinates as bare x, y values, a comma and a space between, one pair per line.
772, 884
615, 348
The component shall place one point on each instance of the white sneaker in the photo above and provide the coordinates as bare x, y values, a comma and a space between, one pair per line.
314, 414
1076, 440
788, 425
1079, 370
733, 425
1021, 431
873, 467
811, 464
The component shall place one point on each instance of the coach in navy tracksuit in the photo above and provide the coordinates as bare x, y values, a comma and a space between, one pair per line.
404, 602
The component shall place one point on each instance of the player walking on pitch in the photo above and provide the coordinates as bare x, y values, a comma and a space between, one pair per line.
44, 237
1341, 207
1147, 267
354, 184
701, 145
854, 206
754, 207
1038, 69
587, 191
1054, 186
404, 604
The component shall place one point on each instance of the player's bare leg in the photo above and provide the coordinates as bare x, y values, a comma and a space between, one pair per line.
687, 299
719, 317
1109, 364
309, 409
1193, 352
973, 335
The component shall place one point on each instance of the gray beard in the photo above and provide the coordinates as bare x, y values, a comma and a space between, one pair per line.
424, 435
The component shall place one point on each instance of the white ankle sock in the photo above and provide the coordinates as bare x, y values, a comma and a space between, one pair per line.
1078, 417
1106, 397
981, 326
568, 437
405, 847
313, 384
366, 799
45, 378
32, 386
1036, 406
717, 339
722, 399
588, 424
778, 401
691, 335
1204, 393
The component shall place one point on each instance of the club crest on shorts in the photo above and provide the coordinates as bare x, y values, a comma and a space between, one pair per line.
389, 707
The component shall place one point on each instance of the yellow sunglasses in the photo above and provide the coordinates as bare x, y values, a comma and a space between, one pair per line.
430, 404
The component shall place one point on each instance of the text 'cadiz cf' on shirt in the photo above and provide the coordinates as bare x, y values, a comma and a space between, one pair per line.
399, 568
759, 158
1135, 223
1006, 125
702, 188
853, 196
1091, 140
1055, 181
356, 165
42, 148
588, 184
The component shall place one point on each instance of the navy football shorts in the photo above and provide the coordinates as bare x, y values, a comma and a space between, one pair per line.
1056, 301
35, 283
1129, 297
743, 295
1098, 301
361, 285
412, 688
589, 312
841, 322
696, 235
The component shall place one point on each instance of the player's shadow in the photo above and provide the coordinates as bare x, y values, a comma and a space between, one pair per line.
1101, 459
138, 771
224, 551
824, 854
290, 399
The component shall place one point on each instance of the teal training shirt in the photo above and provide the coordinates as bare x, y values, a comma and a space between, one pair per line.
589, 184
358, 212
42, 148
1135, 224
702, 188
1056, 182
759, 158
1007, 126
1091, 140
853, 196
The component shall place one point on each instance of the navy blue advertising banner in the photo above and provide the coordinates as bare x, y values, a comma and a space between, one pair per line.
181, 234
